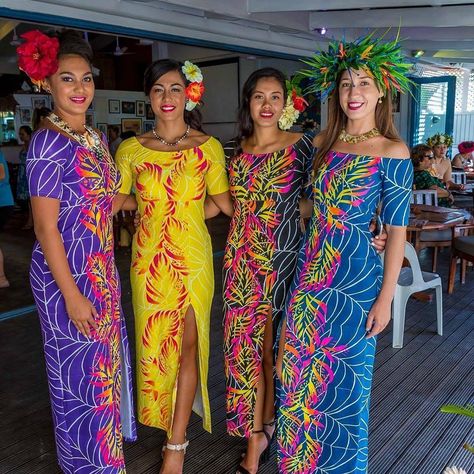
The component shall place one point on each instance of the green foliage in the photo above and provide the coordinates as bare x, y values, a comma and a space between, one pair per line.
467, 410
382, 60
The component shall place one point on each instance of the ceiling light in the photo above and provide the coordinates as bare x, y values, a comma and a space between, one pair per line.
417, 53
15, 40
322, 31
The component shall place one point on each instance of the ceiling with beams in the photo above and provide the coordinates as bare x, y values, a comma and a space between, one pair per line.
442, 29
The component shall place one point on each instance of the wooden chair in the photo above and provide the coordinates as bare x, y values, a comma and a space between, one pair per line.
431, 238
462, 247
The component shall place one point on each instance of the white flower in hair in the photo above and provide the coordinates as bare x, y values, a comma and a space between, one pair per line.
288, 116
190, 105
191, 72
454, 470
441, 139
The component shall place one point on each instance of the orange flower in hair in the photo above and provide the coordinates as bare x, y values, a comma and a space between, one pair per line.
194, 91
38, 55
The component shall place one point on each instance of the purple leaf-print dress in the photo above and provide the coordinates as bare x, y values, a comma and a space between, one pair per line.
89, 379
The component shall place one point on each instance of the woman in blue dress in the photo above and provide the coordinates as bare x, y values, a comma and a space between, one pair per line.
341, 296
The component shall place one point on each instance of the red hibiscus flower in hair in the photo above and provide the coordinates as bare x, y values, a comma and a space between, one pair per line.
194, 91
298, 102
38, 55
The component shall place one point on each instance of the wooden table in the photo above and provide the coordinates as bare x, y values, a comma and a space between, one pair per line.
428, 218
424, 217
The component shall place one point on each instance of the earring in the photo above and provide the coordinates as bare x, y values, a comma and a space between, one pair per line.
380, 100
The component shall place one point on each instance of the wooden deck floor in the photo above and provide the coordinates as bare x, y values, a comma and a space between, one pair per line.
408, 434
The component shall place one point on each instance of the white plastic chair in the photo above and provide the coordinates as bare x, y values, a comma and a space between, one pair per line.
459, 177
413, 280
424, 196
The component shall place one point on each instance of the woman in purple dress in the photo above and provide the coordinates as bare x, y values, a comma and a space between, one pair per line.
73, 181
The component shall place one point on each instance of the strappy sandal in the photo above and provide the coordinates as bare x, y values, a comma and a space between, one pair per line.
265, 454
270, 423
174, 447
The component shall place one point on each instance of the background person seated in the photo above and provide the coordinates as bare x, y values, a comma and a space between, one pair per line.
464, 157
441, 165
422, 157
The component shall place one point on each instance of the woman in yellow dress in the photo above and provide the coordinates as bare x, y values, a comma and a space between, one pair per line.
172, 169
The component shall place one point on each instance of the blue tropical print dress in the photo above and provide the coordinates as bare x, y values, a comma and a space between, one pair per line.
323, 410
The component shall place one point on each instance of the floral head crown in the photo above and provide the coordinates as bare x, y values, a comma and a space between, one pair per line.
195, 90
381, 60
295, 103
440, 139
38, 56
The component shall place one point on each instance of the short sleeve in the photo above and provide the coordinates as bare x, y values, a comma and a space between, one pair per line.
397, 182
216, 176
123, 159
45, 163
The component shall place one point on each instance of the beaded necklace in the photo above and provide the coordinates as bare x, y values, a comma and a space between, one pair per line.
178, 140
90, 139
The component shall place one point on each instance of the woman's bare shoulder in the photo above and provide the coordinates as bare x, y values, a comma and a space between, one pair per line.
318, 139
395, 149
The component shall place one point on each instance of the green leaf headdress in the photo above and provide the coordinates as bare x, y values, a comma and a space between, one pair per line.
381, 60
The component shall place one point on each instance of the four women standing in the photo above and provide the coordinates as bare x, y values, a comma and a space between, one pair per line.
338, 299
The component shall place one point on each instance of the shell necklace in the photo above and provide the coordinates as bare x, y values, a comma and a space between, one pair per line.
90, 139
180, 139
348, 138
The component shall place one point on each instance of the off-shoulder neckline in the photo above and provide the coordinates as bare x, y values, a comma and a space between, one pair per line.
371, 156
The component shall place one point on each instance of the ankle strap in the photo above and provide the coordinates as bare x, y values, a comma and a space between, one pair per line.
177, 447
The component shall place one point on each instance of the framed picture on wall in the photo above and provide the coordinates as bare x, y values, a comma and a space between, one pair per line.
114, 106
140, 108
128, 107
132, 125
148, 125
149, 114
103, 128
25, 115
38, 102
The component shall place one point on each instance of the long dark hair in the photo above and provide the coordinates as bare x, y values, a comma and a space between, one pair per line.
157, 69
246, 126
72, 42
337, 121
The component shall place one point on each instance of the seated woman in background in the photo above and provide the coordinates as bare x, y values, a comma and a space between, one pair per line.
422, 157
441, 166
464, 157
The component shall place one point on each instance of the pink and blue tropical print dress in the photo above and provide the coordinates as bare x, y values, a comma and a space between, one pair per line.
89, 379
323, 411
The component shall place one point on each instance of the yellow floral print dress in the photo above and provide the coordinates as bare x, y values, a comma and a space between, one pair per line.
172, 267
